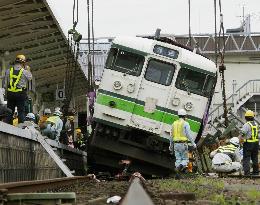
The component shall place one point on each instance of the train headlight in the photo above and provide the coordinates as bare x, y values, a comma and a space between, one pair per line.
176, 101
188, 106
131, 88
117, 85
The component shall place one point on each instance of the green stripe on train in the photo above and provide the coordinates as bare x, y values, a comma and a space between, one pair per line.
138, 109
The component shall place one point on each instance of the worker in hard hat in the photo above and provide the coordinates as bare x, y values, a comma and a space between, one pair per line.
54, 126
80, 140
44, 117
250, 140
227, 158
181, 136
15, 82
68, 129
69, 123
29, 122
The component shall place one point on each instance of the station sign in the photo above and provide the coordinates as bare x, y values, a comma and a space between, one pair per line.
60, 94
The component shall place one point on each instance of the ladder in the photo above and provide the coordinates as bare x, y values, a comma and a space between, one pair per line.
50, 151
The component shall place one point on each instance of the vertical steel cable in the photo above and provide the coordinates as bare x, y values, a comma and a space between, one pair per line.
215, 15
89, 50
71, 63
222, 67
189, 26
93, 43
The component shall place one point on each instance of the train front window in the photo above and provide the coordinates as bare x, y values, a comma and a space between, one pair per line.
159, 72
125, 62
195, 82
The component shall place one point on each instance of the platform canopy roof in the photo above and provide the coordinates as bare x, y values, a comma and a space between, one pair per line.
29, 27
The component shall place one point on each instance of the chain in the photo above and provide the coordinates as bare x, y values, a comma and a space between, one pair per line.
222, 66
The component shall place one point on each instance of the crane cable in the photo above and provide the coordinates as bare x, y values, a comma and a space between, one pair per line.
222, 66
90, 68
93, 43
72, 51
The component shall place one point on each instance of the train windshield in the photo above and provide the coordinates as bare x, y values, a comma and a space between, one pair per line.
125, 62
195, 82
159, 72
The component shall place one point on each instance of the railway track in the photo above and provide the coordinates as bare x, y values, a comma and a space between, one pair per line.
89, 190
86, 190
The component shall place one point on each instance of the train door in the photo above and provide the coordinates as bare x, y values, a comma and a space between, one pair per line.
152, 95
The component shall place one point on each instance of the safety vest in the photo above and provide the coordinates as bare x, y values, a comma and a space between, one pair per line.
52, 119
254, 131
228, 150
14, 80
178, 127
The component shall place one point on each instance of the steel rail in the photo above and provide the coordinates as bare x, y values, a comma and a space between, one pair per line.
41, 185
136, 193
243, 176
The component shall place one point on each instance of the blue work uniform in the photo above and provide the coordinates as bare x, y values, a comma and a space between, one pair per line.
181, 136
250, 147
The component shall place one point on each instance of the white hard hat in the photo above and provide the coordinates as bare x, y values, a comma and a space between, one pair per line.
30, 116
57, 112
47, 111
182, 112
57, 109
234, 141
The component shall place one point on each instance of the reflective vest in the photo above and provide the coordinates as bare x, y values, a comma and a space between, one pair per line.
178, 127
228, 150
14, 80
52, 119
254, 131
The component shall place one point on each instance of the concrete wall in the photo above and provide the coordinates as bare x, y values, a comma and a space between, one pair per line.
23, 158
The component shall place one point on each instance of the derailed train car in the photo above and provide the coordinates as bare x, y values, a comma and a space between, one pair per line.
145, 82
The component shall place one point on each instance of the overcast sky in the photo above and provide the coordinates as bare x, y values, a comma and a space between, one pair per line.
137, 17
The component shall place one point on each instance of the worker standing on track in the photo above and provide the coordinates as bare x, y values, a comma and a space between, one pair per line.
181, 136
250, 142
227, 158
15, 82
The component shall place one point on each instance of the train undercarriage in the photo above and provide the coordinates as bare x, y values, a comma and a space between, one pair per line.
147, 153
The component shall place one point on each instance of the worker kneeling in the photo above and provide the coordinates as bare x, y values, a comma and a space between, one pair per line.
53, 126
227, 158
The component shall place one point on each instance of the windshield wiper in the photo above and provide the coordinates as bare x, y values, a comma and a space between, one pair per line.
186, 86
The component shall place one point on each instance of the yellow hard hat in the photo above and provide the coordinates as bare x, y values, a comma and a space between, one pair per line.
70, 118
78, 130
249, 113
20, 58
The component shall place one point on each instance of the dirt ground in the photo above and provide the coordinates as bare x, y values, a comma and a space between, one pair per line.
207, 190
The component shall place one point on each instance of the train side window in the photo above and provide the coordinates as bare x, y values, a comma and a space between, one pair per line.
195, 82
111, 57
125, 62
159, 72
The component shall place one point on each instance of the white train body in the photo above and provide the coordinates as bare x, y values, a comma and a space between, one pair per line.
146, 82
